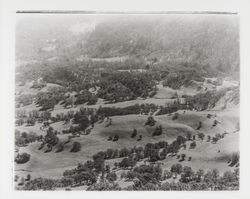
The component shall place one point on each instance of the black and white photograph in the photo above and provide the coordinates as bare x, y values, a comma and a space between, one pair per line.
124, 99
127, 101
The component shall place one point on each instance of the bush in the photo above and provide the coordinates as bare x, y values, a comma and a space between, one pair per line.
76, 147
22, 158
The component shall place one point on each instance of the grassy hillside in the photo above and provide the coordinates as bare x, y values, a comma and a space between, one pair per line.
205, 155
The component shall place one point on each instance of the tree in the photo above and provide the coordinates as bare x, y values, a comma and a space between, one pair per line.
28, 177
187, 174
183, 157
215, 123
154, 155
192, 145
148, 149
51, 137
82, 119
22, 158
134, 133
111, 177
201, 136
199, 175
208, 138
194, 137
157, 131
176, 168
76, 147
99, 161
199, 125
139, 138
60, 147
16, 178
189, 136
116, 137
215, 139
180, 140
175, 116
163, 154
150, 121
109, 153
124, 152
109, 138
127, 162
21, 183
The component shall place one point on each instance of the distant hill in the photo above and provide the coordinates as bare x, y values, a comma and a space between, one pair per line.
206, 39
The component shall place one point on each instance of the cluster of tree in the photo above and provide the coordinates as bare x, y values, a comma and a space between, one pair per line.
24, 100
47, 100
24, 138
31, 117
76, 147
38, 84
122, 86
22, 158
152, 151
150, 121
171, 108
104, 186
189, 179
157, 131
85, 97
50, 140
144, 174
207, 100
133, 109
177, 80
